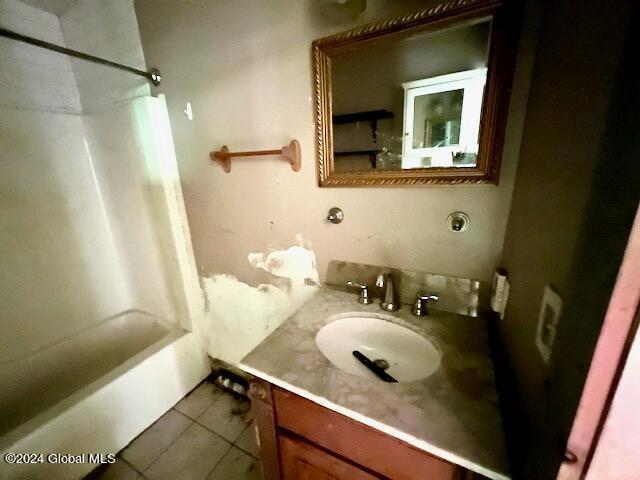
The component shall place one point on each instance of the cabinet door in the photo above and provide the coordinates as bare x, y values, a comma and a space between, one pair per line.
362, 445
301, 461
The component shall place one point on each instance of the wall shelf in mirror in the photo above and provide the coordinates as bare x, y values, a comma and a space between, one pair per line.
452, 133
372, 116
291, 153
372, 154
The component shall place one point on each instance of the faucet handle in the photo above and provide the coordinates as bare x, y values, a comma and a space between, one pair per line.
364, 292
420, 307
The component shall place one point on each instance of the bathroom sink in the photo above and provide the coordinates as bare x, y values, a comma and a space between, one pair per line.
402, 353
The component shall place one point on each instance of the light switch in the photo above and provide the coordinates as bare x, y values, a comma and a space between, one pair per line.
548, 322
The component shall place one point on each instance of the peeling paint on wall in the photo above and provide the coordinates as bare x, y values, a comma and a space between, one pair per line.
239, 316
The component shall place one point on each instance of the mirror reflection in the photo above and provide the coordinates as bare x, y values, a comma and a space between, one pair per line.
413, 102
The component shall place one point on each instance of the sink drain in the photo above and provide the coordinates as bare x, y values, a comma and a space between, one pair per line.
381, 363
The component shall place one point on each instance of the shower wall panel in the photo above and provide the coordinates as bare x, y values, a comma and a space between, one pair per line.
78, 230
61, 271
114, 141
106, 29
31, 77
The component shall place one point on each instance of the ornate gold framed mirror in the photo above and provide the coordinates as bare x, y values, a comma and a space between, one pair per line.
420, 99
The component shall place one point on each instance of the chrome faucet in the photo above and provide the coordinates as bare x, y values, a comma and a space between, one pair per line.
364, 292
420, 307
389, 302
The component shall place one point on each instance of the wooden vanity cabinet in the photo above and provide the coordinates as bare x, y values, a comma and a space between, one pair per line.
299, 460
301, 440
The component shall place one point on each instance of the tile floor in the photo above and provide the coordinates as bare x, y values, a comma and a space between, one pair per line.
208, 435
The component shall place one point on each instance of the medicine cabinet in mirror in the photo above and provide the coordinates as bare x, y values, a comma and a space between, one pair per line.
420, 99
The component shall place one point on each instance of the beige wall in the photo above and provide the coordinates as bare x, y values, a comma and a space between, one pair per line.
573, 203
246, 68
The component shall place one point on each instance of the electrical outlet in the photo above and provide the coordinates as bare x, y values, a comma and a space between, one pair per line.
548, 318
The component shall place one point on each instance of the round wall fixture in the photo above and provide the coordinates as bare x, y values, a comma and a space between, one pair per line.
336, 215
458, 222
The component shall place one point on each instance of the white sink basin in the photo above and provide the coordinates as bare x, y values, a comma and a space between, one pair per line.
409, 355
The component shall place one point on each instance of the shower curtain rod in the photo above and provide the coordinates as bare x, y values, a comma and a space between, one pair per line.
153, 75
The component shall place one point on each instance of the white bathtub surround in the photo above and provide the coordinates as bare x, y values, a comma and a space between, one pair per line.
240, 316
164, 193
452, 413
93, 223
100, 294
27, 389
91, 207
104, 416
107, 30
85, 384
57, 246
33, 78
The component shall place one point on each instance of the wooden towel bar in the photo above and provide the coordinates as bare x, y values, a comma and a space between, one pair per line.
290, 152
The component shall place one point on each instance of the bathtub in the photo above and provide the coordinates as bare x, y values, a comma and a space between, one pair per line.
92, 393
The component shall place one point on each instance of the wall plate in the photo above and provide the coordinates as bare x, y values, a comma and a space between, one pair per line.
458, 222
548, 318
500, 292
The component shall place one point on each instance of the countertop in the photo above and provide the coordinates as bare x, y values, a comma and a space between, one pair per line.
452, 414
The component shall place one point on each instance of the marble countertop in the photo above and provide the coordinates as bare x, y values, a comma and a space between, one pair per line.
452, 414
